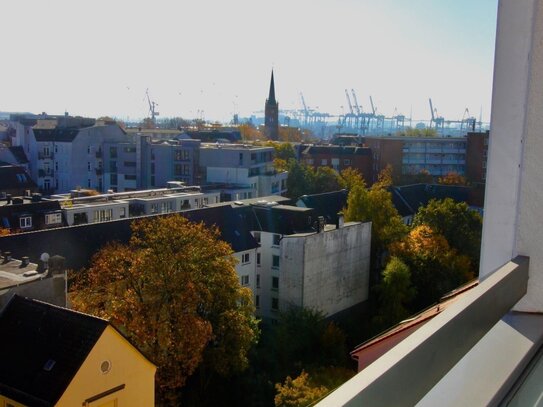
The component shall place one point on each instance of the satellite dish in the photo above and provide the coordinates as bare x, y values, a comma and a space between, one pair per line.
44, 257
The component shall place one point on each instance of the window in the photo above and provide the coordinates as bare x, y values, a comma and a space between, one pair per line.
240, 158
103, 215
129, 177
129, 163
112, 152
129, 149
113, 166
88, 183
46, 151
324, 161
309, 161
88, 166
46, 184
152, 168
258, 259
123, 212
113, 179
53, 218
275, 283
245, 258
258, 281
80, 218
257, 301
276, 240
244, 280
88, 149
346, 162
275, 261
275, 304
25, 222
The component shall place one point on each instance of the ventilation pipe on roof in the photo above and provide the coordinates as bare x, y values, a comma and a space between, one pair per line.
7, 257
25, 261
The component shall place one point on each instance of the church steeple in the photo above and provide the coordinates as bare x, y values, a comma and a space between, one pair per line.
271, 115
271, 97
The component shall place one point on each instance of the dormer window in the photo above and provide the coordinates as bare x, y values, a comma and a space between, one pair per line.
25, 222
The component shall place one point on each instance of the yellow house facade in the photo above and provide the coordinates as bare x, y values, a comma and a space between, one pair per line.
51, 356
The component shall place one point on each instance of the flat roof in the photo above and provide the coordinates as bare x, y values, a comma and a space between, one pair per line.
11, 273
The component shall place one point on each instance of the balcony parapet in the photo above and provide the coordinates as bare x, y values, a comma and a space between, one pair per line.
407, 372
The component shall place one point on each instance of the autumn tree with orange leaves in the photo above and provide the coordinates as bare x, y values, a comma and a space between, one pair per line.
436, 267
174, 292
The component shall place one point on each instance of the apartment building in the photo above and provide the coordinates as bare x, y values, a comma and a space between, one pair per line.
439, 156
65, 152
339, 158
241, 171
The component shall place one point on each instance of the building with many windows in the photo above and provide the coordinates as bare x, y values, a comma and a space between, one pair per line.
241, 171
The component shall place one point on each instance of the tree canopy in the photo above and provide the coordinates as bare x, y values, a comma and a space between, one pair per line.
436, 267
461, 226
395, 293
173, 291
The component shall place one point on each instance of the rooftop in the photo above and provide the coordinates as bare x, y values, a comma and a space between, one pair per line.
15, 272
42, 347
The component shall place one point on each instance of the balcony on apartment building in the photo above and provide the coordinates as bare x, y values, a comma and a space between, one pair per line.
487, 347
45, 172
45, 155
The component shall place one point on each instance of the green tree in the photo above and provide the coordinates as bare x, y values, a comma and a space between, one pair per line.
350, 178
436, 268
173, 290
284, 151
461, 226
300, 180
305, 339
395, 292
326, 180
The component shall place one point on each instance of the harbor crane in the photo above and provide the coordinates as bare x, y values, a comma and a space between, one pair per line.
152, 107
437, 120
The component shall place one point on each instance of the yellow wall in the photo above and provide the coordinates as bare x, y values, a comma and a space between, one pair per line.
128, 367
5, 402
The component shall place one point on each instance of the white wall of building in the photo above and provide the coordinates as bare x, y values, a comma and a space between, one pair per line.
514, 194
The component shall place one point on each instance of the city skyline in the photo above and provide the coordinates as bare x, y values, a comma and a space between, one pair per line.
213, 59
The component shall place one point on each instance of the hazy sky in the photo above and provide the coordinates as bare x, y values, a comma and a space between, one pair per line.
98, 57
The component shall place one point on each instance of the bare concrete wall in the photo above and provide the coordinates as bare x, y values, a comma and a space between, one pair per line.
328, 271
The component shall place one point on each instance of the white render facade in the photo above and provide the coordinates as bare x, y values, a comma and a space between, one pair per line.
240, 166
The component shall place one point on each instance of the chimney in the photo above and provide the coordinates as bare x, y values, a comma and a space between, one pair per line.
340, 220
8, 197
7, 257
25, 261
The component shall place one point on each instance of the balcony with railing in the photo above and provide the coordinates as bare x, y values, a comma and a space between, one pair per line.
45, 155
45, 172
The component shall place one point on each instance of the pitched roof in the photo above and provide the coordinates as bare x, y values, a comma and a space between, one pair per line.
327, 204
59, 134
14, 177
409, 198
42, 347
19, 153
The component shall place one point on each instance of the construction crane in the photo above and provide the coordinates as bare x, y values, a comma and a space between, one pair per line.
152, 107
